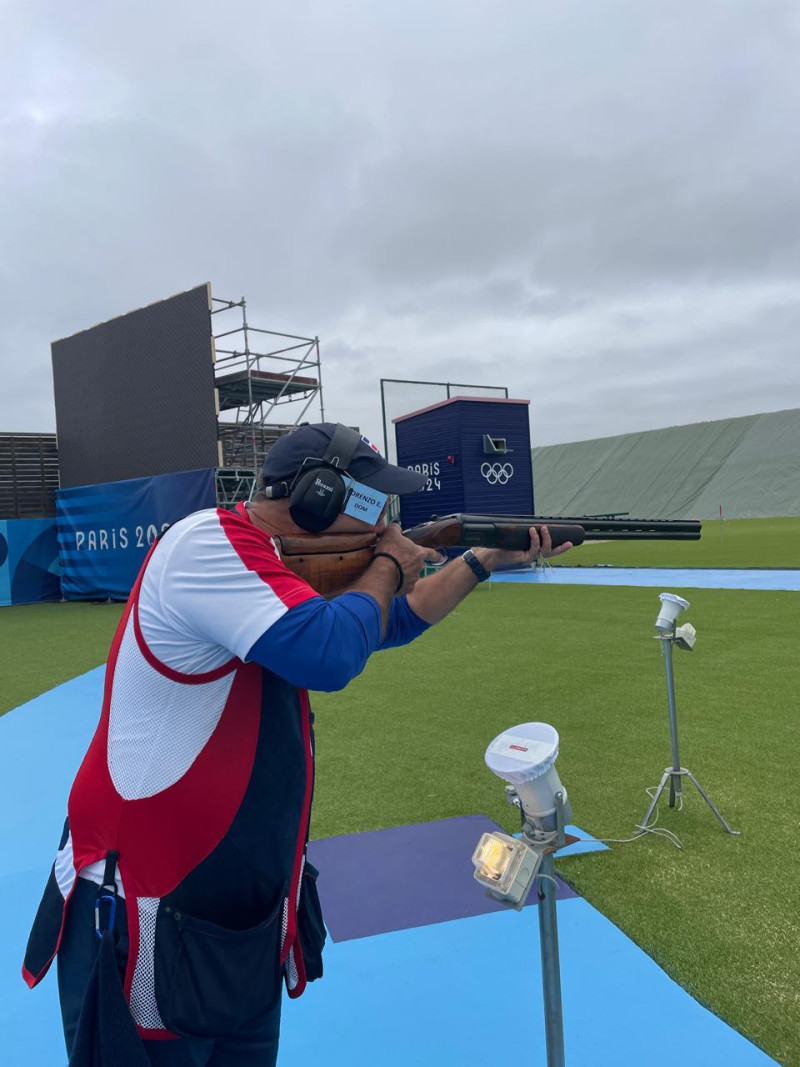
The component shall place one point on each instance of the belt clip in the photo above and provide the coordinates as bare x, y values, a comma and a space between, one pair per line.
108, 892
112, 914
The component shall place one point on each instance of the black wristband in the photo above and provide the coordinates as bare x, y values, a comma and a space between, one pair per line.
401, 575
476, 566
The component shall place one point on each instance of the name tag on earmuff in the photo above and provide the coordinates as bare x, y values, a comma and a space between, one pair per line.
365, 503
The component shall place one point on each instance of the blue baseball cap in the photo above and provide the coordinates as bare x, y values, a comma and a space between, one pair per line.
310, 441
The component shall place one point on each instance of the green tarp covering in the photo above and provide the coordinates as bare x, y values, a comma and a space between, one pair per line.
750, 466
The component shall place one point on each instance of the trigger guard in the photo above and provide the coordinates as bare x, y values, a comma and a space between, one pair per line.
442, 562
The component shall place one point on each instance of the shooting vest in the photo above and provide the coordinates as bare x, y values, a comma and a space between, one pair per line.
210, 831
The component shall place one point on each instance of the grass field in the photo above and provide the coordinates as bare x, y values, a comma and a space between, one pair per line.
405, 742
736, 543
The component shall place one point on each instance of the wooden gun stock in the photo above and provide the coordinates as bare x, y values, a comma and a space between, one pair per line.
328, 562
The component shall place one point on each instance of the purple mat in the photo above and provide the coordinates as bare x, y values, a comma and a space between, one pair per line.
403, 877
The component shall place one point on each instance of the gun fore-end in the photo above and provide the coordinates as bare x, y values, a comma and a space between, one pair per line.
461, 531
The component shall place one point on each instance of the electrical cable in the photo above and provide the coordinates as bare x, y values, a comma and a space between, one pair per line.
650, 828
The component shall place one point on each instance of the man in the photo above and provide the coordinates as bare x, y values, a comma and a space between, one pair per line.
185, 842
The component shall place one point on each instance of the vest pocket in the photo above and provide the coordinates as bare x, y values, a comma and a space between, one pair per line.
210, 980
310, 925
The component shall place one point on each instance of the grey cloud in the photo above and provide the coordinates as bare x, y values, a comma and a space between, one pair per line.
589, 203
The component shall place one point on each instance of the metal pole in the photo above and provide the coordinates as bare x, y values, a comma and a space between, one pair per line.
383, 417
675, 785
250, 411
551, 971
319, 379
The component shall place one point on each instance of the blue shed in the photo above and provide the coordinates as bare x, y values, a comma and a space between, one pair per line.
476, 453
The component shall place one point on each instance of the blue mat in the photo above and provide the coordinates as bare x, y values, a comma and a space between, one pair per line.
585, 843
666, 578
469, 992
446, 993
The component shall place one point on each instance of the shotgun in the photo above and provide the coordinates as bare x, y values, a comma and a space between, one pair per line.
332, 562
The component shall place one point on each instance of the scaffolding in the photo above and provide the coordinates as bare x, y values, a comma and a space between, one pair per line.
252, 384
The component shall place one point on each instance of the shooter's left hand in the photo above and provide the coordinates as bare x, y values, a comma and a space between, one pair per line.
491, 558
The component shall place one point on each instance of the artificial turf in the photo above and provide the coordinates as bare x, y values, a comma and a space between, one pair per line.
46, 644
404, 743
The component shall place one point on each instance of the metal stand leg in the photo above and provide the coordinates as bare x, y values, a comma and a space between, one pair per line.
661, 785
669, 775
551, 971
711, 803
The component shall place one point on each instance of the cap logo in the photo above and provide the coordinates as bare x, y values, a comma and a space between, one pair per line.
367, 441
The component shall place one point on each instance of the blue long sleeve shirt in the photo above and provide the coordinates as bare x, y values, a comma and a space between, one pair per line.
324, 644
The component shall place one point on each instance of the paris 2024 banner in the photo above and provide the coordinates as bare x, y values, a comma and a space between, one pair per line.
28, 561
105, 531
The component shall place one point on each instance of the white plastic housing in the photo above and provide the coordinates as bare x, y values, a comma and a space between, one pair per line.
671, 607
538, 798
525, 756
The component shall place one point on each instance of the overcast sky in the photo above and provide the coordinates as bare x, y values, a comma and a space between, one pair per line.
593, 202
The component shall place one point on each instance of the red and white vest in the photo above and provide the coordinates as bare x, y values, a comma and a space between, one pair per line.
202, 783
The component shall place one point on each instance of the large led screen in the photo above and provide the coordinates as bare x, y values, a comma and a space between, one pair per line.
135, 396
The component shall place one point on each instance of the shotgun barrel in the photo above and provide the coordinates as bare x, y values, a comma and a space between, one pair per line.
511, 531
602, 529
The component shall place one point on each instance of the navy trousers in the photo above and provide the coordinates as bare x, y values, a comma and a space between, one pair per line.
255, 1045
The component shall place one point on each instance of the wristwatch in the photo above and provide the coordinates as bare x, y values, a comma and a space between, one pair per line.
476, 566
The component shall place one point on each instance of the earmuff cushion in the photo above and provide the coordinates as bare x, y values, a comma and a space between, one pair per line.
318, 497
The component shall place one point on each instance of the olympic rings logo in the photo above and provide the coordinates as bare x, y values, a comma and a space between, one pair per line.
497, 473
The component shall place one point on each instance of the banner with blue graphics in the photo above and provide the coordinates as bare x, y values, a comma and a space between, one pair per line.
104, 531
28, 561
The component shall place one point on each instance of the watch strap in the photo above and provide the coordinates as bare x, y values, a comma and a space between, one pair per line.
476, 566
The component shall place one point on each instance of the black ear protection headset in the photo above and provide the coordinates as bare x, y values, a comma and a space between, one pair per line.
318, 493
